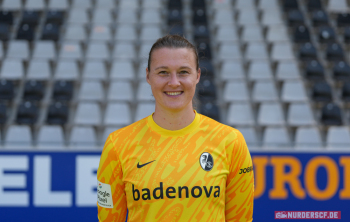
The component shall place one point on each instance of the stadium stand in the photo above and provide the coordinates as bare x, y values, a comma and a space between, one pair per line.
75, 69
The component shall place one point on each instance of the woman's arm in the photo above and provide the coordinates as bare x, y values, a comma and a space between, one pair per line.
111, 197
239, 195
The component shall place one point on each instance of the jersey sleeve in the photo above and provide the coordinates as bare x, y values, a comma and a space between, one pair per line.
111, 198
239, 196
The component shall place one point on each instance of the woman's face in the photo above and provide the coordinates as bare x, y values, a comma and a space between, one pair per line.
173, 77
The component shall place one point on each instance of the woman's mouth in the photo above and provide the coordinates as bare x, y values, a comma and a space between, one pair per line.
173, 93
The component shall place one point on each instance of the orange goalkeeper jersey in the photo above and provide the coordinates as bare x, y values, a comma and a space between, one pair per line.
202, 172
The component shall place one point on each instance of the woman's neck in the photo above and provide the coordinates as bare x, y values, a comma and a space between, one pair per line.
173, 120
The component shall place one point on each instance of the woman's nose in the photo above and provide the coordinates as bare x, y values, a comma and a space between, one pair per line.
174, 81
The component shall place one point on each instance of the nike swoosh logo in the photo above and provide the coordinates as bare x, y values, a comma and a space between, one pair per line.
139, 166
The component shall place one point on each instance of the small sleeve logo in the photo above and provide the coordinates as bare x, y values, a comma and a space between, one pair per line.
104, 195
206, 161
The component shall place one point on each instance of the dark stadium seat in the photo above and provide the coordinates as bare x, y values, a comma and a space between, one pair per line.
176, 29
3, 113
341, 71
331, 115
314, 70
290, 5
26, 32
33, 90
198, 4
199, 17
326, 34
31, 17
50, 32
6, 17
204, 50
314, 5
4, 31
345, 92
63, 90
334, 52
55, 16
307, 51
210, 110
7, 90
201, 32
27, 113
321, 92
207, 68
295, 18
319, 18
347, 35
57, 114
175, 4
301, 34
343, 19
175, 17
206, 90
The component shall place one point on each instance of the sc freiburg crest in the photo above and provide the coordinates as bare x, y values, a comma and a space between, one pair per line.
206, 161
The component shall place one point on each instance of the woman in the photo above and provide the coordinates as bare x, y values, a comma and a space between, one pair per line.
175, 165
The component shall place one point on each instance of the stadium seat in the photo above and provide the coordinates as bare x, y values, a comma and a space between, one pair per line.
97, 51
282, 51
251, 33
150, 33
101, 33
206, 89
102, 16
7, 89
127, 16
55, 16
244, 4
287, 70
232, 70
175, 17
13, 141
125, 33
256, 51
264, 91
83, 137
341, 71
199, 17
4, 32
313, 5
3, 113
343, 19
301, 34
120, 91
271, 18
276, 137
198, 4
201, 32
105, 4
6, 17
13, 5
314, 70
88, 113
210, 110
152, 4
75, 32
57, 113
18, 49
240, 114
39, 70
223, 17
331, 114
247, 17
175, 4
117, 114
250, 136
63, 90
347, 35
337, 6
300, 114
126, 4
319, 18
227, 34
270, 114
50, 137
33, 90
144, 92
12, 69
293, 91
207, 68
295, 18
61, 5
276, 33
78, 16
307, 51
71, 51
345, 92
31, 17
67, 70
124, 50
269, 5
94, 70
326, 34
334, 52
204, 50
35, 4
229, 51
91, 91
176, 30
151, 16
235, 91
25, 32
321, 92
27, 113
122, 70
143, 110
338, 137
44, 50
288, 5
308, 137
84, 4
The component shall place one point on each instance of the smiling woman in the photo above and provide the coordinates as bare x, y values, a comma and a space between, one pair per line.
176, 164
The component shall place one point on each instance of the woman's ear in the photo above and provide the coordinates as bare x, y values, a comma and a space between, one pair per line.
199, 72
147, 76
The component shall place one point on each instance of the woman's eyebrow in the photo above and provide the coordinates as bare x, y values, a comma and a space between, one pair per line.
161, 67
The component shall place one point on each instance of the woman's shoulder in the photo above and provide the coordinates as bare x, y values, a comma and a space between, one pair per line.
126, 131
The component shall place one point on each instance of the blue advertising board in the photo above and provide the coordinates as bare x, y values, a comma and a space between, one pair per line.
61, 186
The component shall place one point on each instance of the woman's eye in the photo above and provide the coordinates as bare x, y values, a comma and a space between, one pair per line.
162, 72
183, 72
